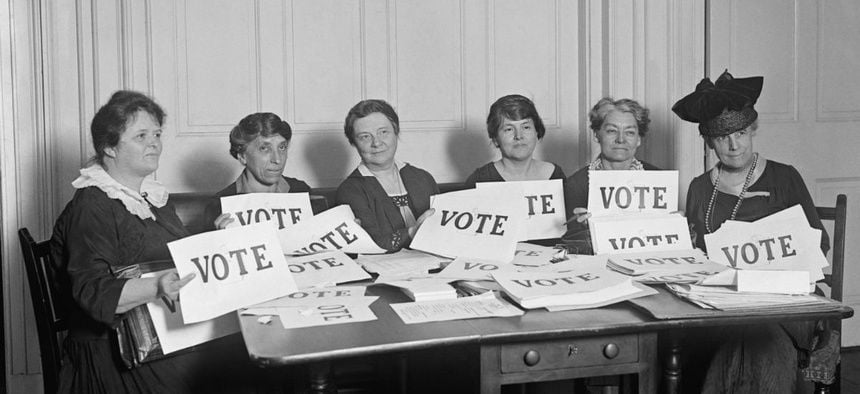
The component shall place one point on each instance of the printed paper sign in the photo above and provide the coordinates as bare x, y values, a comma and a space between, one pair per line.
624, 192
235, 267
325, 269
311, 296
781, 282
672, 260
284, 209
542, 206
472, 223
175, 335
464, 268
787, 243
334, 229
483, 305
328, 313
531, 255
625, 234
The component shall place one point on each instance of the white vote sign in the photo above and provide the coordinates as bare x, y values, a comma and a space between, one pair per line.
175, 335
328, 312
334, 229
625, 234
284, 209
783, 242
623, 192
325, 269
472, 223
235, 267
474, 269
543, 207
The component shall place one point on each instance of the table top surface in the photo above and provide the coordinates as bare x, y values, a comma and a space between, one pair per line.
272, 345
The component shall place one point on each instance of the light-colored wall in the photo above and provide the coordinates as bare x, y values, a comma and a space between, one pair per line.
210, 62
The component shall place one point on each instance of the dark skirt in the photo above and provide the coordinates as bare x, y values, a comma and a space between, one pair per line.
91, 365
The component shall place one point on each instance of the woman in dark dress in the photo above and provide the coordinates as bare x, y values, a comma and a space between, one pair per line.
259, 142
515, 128
619, 127
389, 198
119, 217
742, 186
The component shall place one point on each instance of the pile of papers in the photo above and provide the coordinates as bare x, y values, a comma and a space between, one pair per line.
581, 287
728, 299
425, 289
682, 266
783, 241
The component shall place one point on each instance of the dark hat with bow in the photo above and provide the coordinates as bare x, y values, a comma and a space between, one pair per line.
721, 108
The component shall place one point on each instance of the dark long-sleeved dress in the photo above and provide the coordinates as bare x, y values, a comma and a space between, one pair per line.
489, 173
378, 214
749, 359
94, 236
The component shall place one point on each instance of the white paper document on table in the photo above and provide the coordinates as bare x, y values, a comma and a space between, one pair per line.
334, 229
307, 297
482, 305
403, 263
325, 269
352, 310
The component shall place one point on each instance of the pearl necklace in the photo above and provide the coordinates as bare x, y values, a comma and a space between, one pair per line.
740, 196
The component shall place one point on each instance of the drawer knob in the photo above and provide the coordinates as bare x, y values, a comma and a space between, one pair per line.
531, 358
610, 351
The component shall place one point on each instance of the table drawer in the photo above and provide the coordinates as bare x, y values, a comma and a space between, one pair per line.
570, 353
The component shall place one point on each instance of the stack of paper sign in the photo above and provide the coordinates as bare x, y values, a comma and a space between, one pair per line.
582, 286
402, 264
632, 211
681, 266
425, 289
728, 299
779, 253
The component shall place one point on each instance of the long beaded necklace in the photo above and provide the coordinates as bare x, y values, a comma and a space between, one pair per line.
740, 196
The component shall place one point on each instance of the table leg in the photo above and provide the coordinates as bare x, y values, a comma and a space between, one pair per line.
320, 375
672, 370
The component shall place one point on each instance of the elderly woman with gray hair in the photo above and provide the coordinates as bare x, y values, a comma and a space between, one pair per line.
619, 127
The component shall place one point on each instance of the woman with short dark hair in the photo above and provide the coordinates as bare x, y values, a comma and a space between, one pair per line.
389, 198
515, 127
260, 143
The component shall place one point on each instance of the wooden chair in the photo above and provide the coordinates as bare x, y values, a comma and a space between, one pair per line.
51, 322
834, 280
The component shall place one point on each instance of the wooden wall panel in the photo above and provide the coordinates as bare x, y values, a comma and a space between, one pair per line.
838, 98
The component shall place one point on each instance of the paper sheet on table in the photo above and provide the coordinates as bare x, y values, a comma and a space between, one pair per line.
633, 233
674, 266
307, 297
531, 255
542, 206
629, 192
482, 305
471, 223
785, 242
285, 209
334, 229
624, 293
328, 313
404, 262
425, 289
536, 285
175, 335
235, 267
325, 269
782, 282
465, 268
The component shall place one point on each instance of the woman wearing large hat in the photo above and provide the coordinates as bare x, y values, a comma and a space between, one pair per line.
743, 186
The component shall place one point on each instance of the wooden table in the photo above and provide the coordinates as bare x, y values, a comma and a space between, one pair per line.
538, 346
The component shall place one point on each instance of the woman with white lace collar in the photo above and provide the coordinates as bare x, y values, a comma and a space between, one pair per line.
119, 217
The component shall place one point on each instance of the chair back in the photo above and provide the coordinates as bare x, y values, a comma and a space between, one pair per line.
839, 216
50, 317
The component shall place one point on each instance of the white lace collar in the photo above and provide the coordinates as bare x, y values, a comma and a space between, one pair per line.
135, 203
